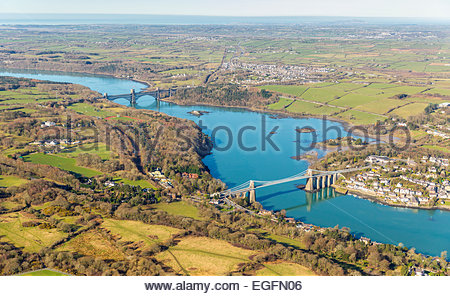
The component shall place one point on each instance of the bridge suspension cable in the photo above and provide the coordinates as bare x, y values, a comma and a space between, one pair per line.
260, 183
245, 187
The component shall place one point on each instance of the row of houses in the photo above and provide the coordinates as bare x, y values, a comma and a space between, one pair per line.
435, 190
54, 142
373, 184
435, 161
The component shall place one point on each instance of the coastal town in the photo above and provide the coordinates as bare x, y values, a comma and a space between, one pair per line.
423, 183
270, 73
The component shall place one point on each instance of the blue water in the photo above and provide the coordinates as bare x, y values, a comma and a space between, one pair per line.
425, 230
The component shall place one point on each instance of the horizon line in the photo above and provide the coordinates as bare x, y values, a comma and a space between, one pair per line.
215, 15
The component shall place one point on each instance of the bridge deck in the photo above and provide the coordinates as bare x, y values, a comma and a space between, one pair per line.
153, 93
243, 188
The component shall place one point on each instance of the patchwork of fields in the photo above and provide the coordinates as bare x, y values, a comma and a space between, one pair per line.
357, 103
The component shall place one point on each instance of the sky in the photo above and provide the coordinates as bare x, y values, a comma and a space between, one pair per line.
362, 8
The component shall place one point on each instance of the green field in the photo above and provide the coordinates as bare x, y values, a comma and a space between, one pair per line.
204, 256
44, 272
181, 208
439, 91
138, 231
381, 106
438, 148
90, 110
311, 108
358, 117
10, 205
93, 243
323, 95
142, 183
295, 90
284, 269
378, 85
282, 103
410, 110
68, 164
353, 100
32, 239
8, 181
96, 148
286, 240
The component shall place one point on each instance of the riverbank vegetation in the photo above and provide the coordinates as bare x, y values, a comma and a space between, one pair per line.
90, 187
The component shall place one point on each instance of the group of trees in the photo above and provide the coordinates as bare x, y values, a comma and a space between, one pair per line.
330, 252
93, 160
225, 95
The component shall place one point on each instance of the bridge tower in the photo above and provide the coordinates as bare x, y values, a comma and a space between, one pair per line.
133, 97
252, 192
105, 95
310, 184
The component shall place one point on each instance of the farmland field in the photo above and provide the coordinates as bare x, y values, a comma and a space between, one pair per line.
96, 148
323, 95
181, 208
439, 91
32, 239
44, 272
204, 256
438, 148
284, 269
282, 102
353, 100
141, 183
8, 181
311, 108
410, 110
286, 240
358, 117
381, 106
90, 110
139, 231
93, 243
68, 164
295, 90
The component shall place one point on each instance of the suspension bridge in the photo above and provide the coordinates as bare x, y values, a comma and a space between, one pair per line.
133, 95
316, 180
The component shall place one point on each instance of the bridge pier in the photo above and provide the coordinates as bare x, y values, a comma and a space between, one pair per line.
316, 183
252, 193
324, 181
133, 97
310, 186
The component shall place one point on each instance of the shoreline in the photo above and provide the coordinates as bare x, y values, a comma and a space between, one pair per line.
377, 200
346, 126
